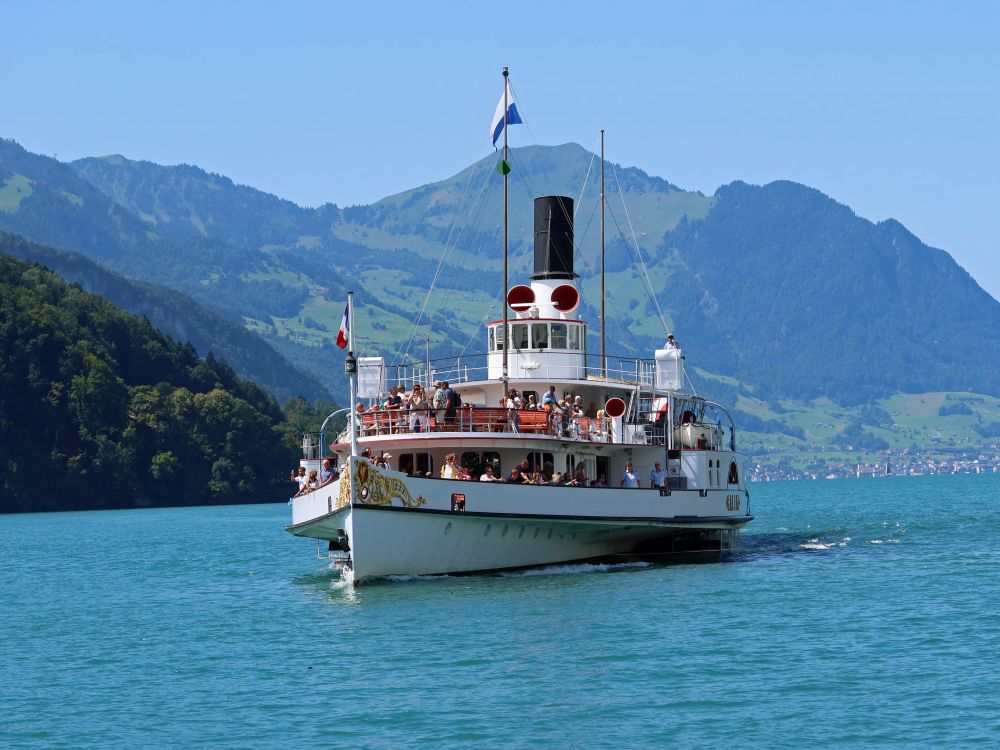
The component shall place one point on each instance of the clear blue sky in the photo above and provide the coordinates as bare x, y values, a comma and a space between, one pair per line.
892, 108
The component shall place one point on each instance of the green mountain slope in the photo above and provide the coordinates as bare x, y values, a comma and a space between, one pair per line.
180, 317
58, 208
98, 409
186, 201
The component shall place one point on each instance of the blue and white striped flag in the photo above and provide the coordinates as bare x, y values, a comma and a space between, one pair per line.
513, 117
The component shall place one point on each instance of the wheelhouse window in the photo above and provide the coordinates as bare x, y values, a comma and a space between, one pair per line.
574, 337
540, 335
558, 336
519, 335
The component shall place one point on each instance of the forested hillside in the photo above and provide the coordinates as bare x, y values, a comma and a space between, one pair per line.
98, 409
180, 317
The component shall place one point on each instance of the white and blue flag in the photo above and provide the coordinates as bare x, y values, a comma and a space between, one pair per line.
513, 118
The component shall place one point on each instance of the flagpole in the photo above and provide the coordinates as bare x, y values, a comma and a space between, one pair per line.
604, 357
351, 378
506, 332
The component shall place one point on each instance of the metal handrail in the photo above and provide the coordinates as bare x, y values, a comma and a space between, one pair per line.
629, 371
479, 419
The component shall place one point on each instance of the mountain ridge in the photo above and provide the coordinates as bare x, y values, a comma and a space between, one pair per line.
757, 280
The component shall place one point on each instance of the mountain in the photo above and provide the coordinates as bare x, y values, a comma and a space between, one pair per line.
178, 316
98, 409
805, 296
777, 286
47, 202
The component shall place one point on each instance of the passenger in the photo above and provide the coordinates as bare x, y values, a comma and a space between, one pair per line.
313, 482
548, 470
580, 478
359, 411
526, 467
591, 413
512, 404
630, 480
393, 404
417, 406
557, 479
464, 474
383, 461
327, 474
532, 404
404, 412
576, 414
602, 431
438, 402
515, 476
366, 453
450, 468
657, 477
300, 479
450, 405
539, 478
550, 398
671, 344
489, 476
560, 418
601, 481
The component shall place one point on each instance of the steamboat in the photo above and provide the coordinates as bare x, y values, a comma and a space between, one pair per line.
533, 453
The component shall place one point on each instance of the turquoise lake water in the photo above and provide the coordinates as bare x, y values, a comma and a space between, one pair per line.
858, 613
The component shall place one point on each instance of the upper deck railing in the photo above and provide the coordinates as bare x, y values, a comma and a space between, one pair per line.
381, 422
630, 371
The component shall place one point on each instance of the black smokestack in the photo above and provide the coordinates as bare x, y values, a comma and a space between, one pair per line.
553, 238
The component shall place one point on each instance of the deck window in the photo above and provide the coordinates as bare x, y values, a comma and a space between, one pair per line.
475, 463
539, 461
419, 464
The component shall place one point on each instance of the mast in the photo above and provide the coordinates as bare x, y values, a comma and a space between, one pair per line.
604, 357
505, 170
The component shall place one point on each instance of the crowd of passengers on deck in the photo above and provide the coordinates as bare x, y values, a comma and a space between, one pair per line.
416, 412
524, 473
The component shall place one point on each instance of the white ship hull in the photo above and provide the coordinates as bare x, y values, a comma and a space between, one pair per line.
399, 526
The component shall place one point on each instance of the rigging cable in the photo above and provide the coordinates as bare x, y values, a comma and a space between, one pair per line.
642, 262
408, 340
